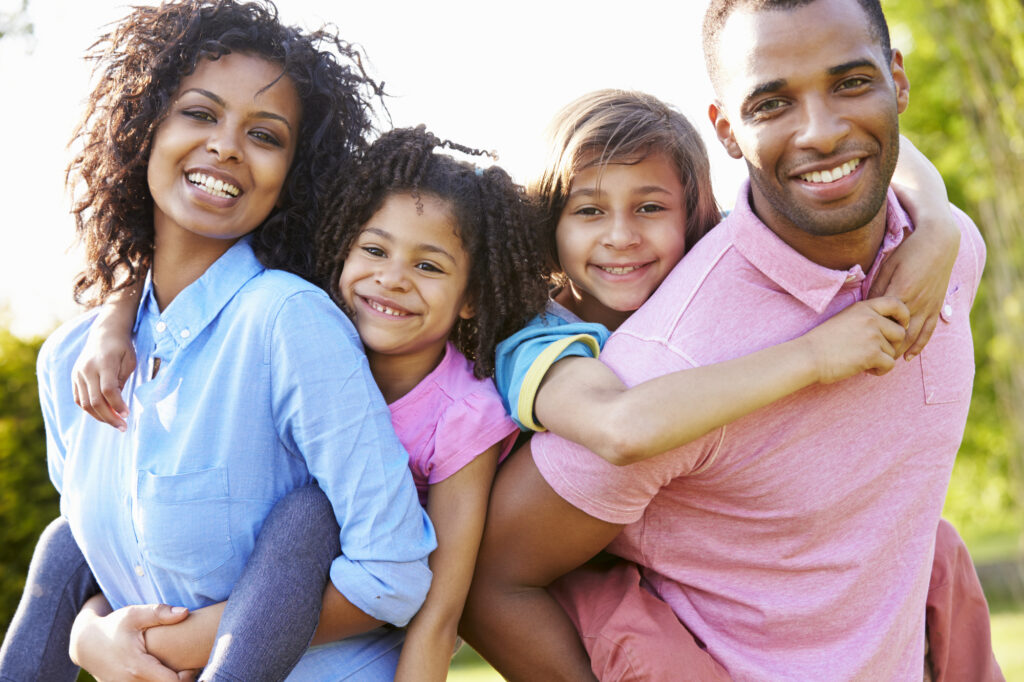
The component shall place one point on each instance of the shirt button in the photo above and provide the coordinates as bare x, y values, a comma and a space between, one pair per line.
161, 326
139, 572
185, 333
946, 313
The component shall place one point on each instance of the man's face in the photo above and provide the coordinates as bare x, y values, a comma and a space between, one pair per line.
807, 98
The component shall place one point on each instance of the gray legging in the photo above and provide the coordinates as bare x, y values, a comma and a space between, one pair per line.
271, 614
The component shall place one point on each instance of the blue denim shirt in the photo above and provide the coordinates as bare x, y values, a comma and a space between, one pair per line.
249, 384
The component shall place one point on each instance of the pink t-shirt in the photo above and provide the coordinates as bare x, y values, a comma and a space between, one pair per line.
448, 419
796, 543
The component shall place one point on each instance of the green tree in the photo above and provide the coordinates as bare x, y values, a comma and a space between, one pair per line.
964, 59
28, 501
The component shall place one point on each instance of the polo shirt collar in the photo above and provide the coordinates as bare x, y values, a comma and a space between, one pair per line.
813, 285
201, 301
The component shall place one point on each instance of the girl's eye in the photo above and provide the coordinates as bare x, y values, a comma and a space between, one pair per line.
428, 267
374, 251
650, 208
587, 210
265, 137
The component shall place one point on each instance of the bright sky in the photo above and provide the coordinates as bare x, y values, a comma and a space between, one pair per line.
488, 75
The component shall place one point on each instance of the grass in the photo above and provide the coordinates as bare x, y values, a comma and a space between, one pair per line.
1007, 640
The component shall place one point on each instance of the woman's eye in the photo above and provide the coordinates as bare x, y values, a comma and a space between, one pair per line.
199, 114
265, 137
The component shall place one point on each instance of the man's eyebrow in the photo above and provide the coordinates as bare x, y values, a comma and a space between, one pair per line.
259, 114
849, 66
764, 88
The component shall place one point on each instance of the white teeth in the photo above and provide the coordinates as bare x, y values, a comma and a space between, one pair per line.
832, 175
381, 308
217, 188
619, 271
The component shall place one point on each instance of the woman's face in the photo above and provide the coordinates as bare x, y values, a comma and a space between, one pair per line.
221, 156
622, 230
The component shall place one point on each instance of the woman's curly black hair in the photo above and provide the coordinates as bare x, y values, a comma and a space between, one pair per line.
140, 64
494, 218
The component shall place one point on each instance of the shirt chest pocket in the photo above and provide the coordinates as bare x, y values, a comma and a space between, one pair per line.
947, 362
183, 522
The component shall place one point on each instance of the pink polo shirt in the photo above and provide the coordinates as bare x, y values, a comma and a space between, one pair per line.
796, 543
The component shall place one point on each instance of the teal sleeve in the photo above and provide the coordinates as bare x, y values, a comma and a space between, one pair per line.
524, 358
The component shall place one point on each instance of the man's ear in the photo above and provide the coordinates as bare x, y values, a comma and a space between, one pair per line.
724, 130
899, 78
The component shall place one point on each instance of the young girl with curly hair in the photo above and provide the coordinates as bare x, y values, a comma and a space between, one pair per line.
207, 144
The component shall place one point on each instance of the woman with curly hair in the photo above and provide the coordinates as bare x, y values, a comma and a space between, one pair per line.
206, 145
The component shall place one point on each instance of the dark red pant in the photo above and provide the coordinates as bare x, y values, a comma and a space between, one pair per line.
630, 634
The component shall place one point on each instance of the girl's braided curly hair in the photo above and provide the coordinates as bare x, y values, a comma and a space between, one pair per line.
140, 64
495, 220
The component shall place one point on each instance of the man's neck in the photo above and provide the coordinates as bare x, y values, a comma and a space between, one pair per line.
859, 246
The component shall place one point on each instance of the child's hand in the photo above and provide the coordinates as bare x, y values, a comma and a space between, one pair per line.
918, 271
112, 647
862, 338
100, 373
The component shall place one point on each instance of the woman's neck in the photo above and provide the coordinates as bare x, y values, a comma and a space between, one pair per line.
396, 375
178, 262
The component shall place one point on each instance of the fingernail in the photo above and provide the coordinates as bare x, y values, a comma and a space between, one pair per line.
122, 428
178, 609
910, 356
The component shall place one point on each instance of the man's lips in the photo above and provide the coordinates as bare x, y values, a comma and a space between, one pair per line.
829, 175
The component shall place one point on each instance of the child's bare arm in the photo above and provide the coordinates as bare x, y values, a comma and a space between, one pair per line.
918, 271
111, 645
108, 359
457, 506
582, 400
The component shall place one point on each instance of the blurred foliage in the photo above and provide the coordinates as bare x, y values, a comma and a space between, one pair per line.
964, 59
16, 23
28, 500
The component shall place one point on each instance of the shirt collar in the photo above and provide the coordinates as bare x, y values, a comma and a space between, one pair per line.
812, 284
202, 300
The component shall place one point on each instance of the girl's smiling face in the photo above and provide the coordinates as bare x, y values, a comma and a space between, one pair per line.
220, 157
621, 231
405, 277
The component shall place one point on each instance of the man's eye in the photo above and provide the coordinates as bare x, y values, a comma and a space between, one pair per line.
769, 106
853, 83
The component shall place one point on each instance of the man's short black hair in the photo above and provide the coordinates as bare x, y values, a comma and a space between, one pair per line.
719, 11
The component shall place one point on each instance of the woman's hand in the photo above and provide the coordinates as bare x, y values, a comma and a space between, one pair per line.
111, 645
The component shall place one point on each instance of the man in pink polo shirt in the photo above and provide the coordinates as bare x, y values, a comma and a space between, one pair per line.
795, 543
